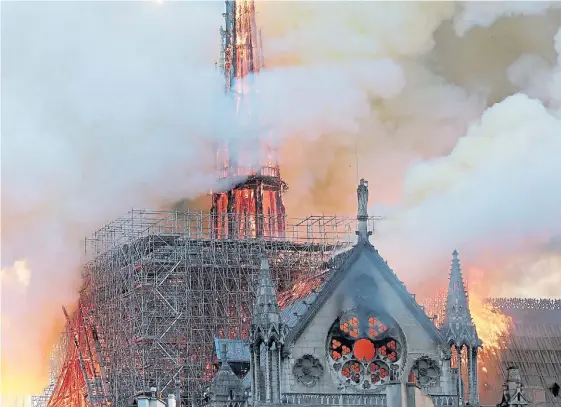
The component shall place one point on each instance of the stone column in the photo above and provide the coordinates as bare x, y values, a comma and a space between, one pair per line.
460, 384
256, 369
252, 366
475, 378
469, 374
274, 373
268, 380
403, 392
446, 377
279, 373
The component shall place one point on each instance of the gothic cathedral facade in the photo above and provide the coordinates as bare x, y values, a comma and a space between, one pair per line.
358, 339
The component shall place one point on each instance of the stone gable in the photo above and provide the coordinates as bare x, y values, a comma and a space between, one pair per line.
363, 286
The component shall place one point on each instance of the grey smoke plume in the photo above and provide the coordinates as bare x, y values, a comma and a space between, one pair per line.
110, 105
484, 14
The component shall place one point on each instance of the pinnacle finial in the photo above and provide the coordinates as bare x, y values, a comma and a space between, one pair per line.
266, 308
264, 263
458, 323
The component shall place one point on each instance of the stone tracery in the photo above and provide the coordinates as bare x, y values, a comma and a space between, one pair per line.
308, 370
364, 349
426, 371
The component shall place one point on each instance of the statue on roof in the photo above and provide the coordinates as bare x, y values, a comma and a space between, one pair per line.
362, 193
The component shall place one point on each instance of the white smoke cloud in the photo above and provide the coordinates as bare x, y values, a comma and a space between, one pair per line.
105, 106
360, 94
493, 195
335, 100
530, 72
536, 77
321, 32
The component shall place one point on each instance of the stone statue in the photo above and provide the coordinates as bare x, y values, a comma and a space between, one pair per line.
362, 193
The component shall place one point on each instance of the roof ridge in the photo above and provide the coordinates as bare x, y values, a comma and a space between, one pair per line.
412, 297
326, 273
323, 293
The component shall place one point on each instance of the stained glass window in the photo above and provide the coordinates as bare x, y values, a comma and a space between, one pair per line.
364, 349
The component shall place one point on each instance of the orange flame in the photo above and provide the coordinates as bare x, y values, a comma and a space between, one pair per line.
492, 325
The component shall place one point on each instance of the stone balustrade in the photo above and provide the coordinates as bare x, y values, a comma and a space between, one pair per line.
444, 400
335, 399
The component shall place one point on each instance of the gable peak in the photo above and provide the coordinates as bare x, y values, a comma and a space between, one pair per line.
225, 378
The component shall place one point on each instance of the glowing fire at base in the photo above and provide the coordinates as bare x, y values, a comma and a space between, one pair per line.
493, 326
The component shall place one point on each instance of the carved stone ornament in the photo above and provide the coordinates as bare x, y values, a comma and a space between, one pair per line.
445, 352
426, 371
307, 370
362, 193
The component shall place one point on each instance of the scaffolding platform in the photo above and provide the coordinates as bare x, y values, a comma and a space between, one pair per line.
159, 287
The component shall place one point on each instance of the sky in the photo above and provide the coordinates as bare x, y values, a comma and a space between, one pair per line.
450, 110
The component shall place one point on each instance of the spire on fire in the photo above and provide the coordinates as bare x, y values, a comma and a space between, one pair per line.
458, 325
249, 203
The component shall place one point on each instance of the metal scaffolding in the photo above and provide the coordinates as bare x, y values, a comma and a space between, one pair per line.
159, 287
534, 345
56, 363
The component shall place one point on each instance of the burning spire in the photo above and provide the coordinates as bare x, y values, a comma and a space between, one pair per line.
253, 207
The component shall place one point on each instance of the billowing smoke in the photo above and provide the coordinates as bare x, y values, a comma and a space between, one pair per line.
484, 14
458, 153
366, 95
493, 196
105, 106
448, 109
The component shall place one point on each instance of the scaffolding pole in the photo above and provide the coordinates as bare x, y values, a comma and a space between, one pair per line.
159, 287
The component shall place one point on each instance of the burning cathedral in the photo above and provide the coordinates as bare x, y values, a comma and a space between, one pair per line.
242, 306
360, 338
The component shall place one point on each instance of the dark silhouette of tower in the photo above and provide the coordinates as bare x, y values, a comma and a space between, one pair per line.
250, 205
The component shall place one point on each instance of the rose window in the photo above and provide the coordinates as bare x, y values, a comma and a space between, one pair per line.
426, 371
308, 370
365, 351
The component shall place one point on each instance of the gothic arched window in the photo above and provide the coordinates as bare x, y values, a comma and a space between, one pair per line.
365, 349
